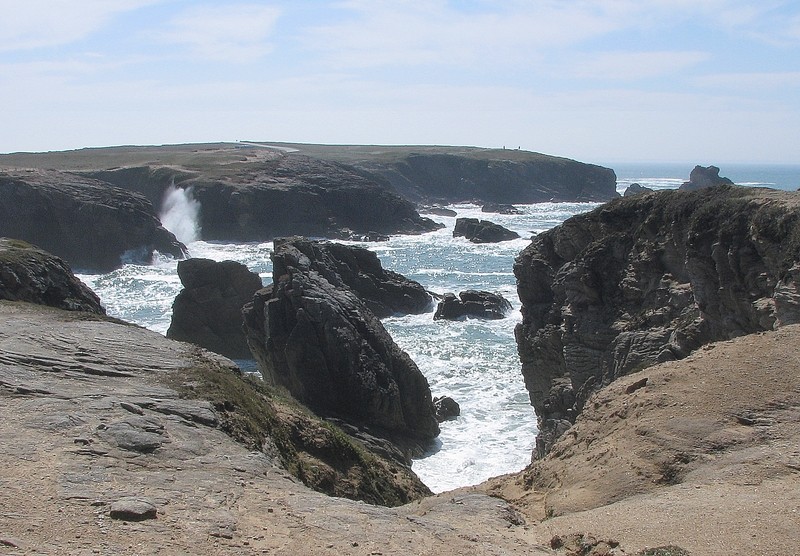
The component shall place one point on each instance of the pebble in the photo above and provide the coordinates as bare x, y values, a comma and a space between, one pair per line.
133, 509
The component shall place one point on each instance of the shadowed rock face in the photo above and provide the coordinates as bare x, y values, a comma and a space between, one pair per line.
310, 333
89, 223
280, 195
648, 279
472, 303
32, 275
702, 177
208, 311
482, 231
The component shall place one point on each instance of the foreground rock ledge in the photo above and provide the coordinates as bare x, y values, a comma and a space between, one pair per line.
64, 374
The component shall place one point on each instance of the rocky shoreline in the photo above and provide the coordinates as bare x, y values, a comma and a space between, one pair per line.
657, 345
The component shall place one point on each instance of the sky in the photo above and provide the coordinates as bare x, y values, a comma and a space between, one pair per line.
698, 81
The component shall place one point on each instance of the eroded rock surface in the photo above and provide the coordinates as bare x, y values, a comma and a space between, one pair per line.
208, 311
89, 223
649, 279
311, 333
472, 303
30, 274
482, 231
702, 177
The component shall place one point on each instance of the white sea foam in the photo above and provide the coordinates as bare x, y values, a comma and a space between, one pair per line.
180, 214
473, 361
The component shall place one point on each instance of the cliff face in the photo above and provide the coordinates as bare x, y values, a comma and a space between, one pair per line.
648, 279
496, 177
84, 221
275, 195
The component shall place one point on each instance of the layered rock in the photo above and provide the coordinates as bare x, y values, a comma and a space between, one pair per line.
87, 222
35, 276
482, 231
472, 303
311, 334
702, 177
649, 279
208, 311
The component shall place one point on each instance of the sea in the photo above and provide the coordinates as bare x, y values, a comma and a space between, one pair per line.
473, 361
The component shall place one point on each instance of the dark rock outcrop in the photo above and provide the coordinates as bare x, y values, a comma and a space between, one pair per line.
208, 311
649, 279
87, 222
499, 208
482, 231
446, 408
702, 177
472, 303
464, 174
276, 194
311, 334
33, 275
637, 189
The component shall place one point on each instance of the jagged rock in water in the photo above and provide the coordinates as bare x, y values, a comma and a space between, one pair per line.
482, 231
446, 408
702, 177
648, 279
637, 189
499, 208
472, 303
87, 222
30, 274
312, 334
208, 311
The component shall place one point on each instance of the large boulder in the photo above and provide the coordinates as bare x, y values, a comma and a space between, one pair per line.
208, 311
702, 177
89, 223
472, 303
648, 279
33, 275
482, 231
317, 339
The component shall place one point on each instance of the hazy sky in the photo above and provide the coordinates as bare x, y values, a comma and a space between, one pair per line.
698, 81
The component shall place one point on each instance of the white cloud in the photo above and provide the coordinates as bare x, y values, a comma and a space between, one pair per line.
636, 65
44, 23
756, 81
236, 33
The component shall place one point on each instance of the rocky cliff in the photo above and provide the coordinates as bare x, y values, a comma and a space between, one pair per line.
208, 310
648, 279
87, 222
35, 276
311, 333
428, 174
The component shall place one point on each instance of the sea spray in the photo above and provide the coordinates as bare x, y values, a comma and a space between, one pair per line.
180, 214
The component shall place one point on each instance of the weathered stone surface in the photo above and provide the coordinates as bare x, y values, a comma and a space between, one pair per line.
702, 177
648, 279
637, 189
472, 303
133, 509
311, 334
208, 311
383, 291
446, 408
33, 275
87, 222
273, 194
468, 174
482, 231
